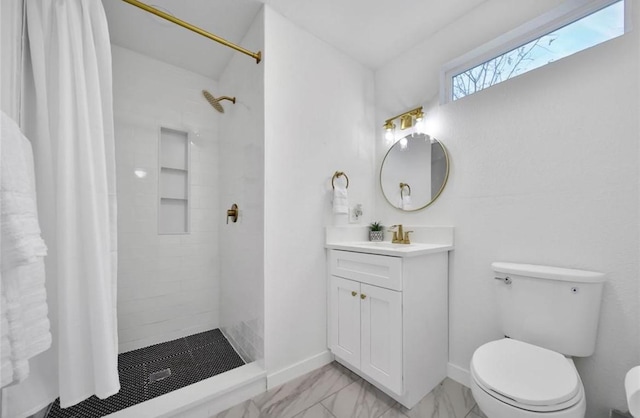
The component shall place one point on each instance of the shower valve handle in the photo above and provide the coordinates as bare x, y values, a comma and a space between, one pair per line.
233, 213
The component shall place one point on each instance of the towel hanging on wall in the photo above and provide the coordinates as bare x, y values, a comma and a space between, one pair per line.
24, 314
340, 196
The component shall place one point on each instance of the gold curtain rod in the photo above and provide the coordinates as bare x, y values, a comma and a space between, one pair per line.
256, 55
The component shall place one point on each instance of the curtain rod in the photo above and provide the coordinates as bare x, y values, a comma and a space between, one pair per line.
256, 55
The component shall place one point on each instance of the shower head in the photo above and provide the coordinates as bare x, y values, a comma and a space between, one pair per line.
216, 102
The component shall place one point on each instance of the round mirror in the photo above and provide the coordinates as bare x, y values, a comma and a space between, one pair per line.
414, 172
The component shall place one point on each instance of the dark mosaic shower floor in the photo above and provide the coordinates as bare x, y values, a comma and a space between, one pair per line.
191, 359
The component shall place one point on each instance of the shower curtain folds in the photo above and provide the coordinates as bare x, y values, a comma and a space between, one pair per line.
75, 169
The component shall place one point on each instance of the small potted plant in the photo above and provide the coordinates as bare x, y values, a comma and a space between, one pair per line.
376, 231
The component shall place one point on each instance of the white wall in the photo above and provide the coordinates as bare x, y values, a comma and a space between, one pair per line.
318, 119
544, 171
167, 284
242, 182
10, 59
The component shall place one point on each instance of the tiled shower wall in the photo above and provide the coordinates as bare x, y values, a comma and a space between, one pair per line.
168, 285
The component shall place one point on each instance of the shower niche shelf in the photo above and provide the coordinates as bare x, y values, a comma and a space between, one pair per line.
173, 181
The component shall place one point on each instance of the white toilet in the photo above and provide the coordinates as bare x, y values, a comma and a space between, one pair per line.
548, 314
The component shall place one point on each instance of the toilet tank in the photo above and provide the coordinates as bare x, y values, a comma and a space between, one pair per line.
551, 307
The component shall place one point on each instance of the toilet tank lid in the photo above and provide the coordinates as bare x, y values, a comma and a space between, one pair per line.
547, 272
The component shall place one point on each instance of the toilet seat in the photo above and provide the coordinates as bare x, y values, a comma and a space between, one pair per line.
526, 376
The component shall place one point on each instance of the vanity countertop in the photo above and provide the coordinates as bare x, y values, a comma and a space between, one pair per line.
389, 249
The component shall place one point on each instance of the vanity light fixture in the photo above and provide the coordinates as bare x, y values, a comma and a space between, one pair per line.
406, 121
420, 128
389, 128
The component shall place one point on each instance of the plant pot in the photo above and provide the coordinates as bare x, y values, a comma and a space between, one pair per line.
376, 235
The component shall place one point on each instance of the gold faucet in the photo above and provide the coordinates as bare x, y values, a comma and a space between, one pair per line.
399, 235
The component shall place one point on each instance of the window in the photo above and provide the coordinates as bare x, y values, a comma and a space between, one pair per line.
561, 36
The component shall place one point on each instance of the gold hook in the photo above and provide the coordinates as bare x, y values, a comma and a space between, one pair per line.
402, 186
339, 174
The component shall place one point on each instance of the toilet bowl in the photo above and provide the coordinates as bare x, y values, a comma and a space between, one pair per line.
514, 379
551, 315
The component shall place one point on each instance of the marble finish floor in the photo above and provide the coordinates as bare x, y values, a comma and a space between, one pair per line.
335, 392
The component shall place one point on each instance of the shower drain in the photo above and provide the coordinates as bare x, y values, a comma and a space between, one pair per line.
160, 375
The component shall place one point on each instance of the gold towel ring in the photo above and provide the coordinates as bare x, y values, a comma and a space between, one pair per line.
339, 174
402, 186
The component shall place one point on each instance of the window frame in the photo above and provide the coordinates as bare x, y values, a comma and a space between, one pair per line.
563, 15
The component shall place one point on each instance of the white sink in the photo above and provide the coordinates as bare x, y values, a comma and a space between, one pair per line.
385, 244
388, 248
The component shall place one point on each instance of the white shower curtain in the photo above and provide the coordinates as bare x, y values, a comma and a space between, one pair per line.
75, 168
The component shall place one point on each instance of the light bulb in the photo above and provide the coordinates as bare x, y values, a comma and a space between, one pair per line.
389, 128
420, 124
403, 143
140, 173
389, 135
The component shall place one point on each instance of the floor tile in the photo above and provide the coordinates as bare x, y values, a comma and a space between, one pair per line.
204, 338
476, 413
220, 355
299, 394
175, 363
152, 353
394, 412
95, 407
135, 366
134, 376
244, 410
358, 400
179, 378
316, 411
448, 400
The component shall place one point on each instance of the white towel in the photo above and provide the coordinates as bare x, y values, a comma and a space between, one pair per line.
405, 202
340, 200
23, 309
21, 242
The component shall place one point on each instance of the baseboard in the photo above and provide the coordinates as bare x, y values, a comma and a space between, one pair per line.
459, 374
298, 369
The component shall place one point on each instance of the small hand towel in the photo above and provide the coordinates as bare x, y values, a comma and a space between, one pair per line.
405, 202
340, 200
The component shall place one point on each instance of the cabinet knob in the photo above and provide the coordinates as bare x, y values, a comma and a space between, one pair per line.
363, 296
353, 293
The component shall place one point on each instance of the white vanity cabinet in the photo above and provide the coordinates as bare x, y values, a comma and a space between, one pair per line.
388, 319
367, 329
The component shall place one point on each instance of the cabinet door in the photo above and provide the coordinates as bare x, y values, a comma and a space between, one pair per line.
381, 316
345, 320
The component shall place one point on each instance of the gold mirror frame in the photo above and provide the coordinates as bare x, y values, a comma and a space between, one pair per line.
444, 182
